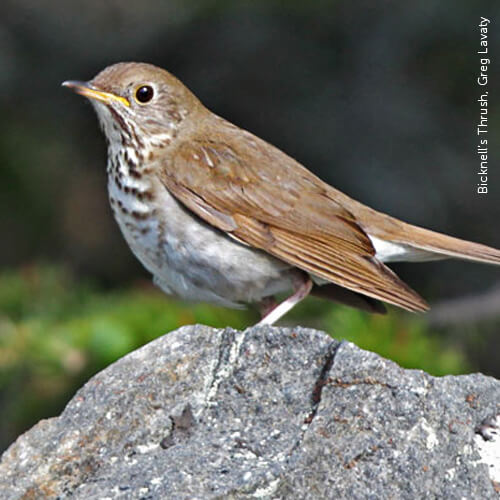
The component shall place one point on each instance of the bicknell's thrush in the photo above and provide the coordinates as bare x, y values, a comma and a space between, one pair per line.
218, 215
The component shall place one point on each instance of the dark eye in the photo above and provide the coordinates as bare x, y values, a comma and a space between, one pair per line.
144, 93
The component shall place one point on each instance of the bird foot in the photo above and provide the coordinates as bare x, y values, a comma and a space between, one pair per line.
272, 312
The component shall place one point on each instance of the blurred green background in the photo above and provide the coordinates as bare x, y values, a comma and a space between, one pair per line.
378, 99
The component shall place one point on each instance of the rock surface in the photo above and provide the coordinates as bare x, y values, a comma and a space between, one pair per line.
265, 413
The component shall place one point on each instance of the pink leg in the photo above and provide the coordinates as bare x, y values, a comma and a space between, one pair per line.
266, 305
301, 290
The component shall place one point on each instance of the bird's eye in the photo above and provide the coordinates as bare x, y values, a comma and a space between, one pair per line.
144, 94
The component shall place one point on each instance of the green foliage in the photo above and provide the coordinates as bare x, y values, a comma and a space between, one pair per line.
402, 337
56, 332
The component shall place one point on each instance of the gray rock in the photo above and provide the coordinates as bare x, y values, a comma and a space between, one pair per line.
265, 413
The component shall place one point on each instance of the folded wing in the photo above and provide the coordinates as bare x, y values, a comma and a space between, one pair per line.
265, 199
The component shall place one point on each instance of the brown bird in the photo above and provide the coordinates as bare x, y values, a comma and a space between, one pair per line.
218, 215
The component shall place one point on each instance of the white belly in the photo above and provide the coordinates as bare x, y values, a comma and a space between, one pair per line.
190, 259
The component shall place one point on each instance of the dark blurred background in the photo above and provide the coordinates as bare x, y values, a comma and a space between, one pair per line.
378, 98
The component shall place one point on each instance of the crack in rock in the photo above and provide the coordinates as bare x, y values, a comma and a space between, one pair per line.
317, 390
240, 407
182, 424
322, 381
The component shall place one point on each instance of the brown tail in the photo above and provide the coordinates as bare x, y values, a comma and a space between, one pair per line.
442, 244
390, 229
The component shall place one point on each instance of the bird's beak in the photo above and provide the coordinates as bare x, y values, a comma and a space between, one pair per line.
88, 90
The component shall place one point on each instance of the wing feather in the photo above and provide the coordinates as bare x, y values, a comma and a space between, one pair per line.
265, 199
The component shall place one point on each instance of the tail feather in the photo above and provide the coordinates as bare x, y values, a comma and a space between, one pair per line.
389, 229
448, 246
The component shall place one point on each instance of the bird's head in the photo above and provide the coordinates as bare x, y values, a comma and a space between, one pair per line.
137, 104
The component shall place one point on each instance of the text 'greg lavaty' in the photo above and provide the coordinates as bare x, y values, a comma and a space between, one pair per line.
482, 126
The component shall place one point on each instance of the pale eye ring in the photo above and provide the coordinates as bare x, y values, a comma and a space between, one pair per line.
144, 94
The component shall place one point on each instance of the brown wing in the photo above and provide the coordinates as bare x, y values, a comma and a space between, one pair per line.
265, 199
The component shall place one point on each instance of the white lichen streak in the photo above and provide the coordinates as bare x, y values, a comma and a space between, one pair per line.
146, 448
267, 491
432, 439
450, 474
489, 450
224, 371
